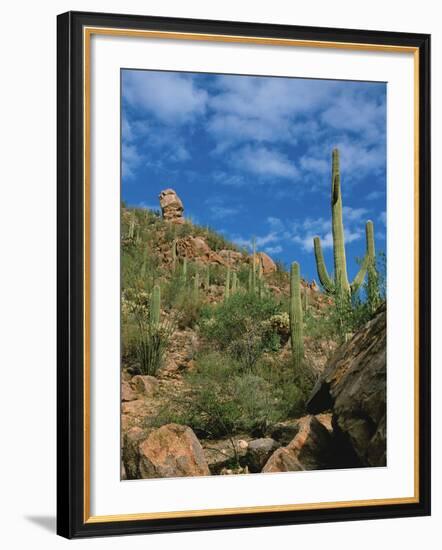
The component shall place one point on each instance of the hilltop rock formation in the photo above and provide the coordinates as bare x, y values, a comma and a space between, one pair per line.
171, 206
353, 386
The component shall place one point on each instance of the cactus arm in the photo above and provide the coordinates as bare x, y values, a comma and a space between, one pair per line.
368, 258
359, 279
323, 275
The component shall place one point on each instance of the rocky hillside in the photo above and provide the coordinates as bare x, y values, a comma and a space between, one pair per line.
208, 380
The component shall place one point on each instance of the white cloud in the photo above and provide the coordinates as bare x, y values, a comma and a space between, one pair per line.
273, 249
260, 242
264, 162
170, 97
350, 214
374, 195
383, 217
219, 212
131, 159
356, 113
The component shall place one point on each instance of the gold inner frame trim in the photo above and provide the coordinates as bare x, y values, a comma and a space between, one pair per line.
87, 34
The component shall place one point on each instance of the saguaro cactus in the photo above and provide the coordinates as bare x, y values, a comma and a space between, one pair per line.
234, 282
340, 284
254, 265
373, 296
155, 307
227, 287
296, 319
196, 284
207, 278
174, 254
184, 272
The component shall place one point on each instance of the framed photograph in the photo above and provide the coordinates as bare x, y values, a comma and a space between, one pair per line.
243, 274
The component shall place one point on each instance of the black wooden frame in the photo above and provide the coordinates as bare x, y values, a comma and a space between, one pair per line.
70, 291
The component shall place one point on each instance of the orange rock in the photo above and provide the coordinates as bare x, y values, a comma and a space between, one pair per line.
172, 451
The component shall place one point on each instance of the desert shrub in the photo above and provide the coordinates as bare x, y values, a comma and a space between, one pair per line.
239, 327
143, 337
223, 400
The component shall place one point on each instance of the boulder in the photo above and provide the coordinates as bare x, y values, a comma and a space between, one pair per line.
268, 265
145, 385
353, 387
312, 448
171, 206
231, 256
172, 451
127, 393
258, 452
130, 455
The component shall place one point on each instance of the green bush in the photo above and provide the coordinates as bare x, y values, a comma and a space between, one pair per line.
222, 400
240, 327
145, 340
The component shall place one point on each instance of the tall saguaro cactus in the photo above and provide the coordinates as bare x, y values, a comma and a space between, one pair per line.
296, 319
254, 265
339, 285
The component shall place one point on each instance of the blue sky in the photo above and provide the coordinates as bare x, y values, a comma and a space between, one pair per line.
251, 156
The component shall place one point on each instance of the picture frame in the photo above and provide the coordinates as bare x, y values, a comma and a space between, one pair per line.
75, 517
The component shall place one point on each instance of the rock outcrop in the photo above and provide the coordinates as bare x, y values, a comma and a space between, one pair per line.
353, 386
172, 451
171, 206
268, 265
196, 249
312, 448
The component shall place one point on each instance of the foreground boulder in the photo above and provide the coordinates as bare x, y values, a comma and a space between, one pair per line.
130, 456
258, 452
172, 451
312, 448
353, 386
171, 206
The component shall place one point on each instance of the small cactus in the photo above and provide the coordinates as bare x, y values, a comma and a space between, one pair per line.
196, 284
132, 225
296, 320
155, 307
227, 287
184, 272
174, 254
234, 282
207, 278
